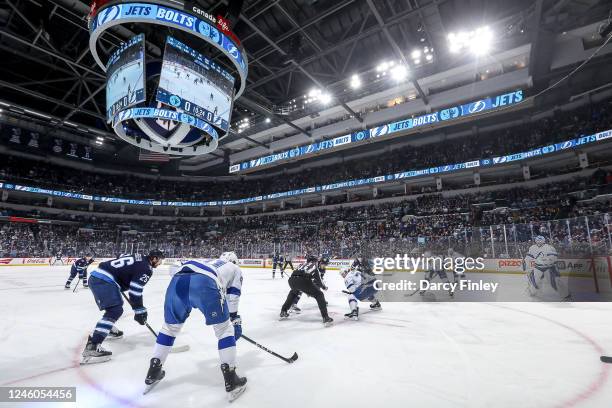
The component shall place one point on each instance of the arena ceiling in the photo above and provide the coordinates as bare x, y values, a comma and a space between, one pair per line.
293, 46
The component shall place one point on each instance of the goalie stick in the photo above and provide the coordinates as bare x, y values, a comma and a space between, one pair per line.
606, 359
174, 349
288, 360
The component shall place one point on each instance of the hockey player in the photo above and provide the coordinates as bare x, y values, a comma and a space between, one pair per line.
539, 264
57, 258
287, 262
79, 266
277, 260
128, 272
307, 279
435, 267
456, 255
358, 289
213, 287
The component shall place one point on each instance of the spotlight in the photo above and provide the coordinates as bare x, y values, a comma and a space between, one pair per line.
416, 54
355, 81
268, 120
382, 67
399, 73
478, 41
325, 98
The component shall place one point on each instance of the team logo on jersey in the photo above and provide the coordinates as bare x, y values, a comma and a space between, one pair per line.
109, 14
476, 107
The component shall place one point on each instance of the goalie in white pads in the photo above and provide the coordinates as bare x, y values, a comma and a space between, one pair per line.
542, 273
213, 287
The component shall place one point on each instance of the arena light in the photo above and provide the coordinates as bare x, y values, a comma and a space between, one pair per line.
268, 120
478, 41
314, 93
399, 73
325, 98
384, 66
355, 81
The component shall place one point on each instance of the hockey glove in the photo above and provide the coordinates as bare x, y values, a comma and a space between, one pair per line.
140, 315
237, 322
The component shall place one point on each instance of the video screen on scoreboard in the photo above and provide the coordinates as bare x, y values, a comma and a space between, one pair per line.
193, 83
125, 80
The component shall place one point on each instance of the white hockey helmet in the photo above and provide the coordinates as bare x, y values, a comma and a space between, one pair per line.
344, 271
229, 257
539, 239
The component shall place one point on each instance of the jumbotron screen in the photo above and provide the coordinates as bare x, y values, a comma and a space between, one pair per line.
193, 83
125, 80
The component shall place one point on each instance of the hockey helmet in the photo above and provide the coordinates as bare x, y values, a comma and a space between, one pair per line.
229, 257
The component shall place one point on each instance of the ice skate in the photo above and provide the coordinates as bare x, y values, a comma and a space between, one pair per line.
353, 315
95, 353
234, 385
154, 375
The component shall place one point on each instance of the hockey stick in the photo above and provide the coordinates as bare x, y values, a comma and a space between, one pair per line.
288, 360
175, 349
606, 359
77, 285
411, 294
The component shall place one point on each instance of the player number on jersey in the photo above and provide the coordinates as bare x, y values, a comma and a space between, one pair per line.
123, 261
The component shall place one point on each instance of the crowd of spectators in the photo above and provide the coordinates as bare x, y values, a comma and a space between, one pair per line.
482, 222
562, 126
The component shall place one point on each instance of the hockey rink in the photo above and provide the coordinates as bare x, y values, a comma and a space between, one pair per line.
418, 354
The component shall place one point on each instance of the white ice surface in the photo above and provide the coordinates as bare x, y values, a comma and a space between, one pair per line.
408, 355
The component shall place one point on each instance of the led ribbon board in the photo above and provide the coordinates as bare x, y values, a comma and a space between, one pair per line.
488, 162
443, 115
165, 114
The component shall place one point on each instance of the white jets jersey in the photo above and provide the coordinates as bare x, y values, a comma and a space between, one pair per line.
543, 256
352, 280
227, 275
